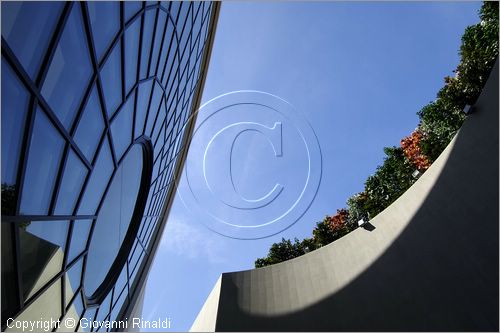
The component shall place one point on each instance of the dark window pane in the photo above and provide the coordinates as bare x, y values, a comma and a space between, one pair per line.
43, 161
79, 238
9, 277
14, 107
121, 127
27, 27
105, 21
111, 78
131, 53
90, 127
42, 252
114, 219
142, 106
98, 180
69, 71
71, 185
73, 280
131, 7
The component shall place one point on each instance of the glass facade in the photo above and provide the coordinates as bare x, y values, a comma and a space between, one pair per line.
96, 106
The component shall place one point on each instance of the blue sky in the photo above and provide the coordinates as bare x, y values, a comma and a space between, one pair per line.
358, 72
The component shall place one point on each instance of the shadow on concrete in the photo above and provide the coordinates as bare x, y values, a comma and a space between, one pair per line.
441, 274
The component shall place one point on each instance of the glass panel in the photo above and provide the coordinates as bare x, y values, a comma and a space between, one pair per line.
74, 311
146, 41
185, 6
157, 43
105, 21
121, 127
142, 106
78, 304
27, 27
150, 233
174, 9
165, 4
135, 269
42, 253
104, 309
69, 71
79, 237
153, 109
172, 76
86, 321
131, 53
71, 185
90, 127
197, 21
157, 136
186, 33
120, 283
98, 181
131, 7
134, 255
73, 280
114, 219
118, 305
43, 161
111, 78
9, 276
14, 107
167, 45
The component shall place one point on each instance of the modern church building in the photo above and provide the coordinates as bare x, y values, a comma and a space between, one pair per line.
97, 105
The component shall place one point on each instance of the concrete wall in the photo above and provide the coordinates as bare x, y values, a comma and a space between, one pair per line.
205, 321
431, 263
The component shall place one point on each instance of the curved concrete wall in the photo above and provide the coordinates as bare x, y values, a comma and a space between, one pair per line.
431, 263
